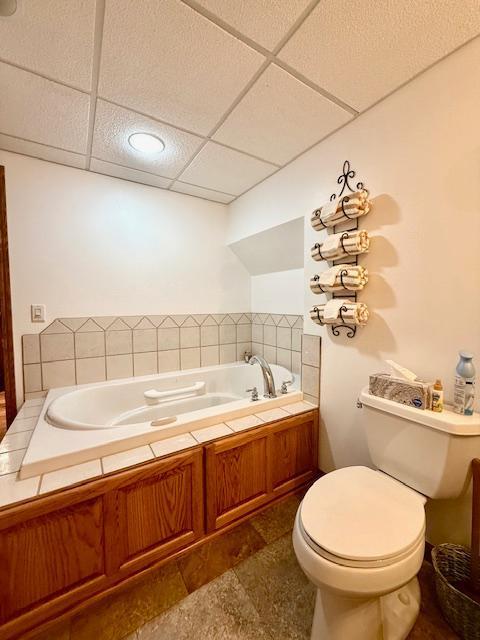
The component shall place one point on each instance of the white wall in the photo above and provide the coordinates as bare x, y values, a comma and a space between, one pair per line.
85, 244
418, 152
279, 292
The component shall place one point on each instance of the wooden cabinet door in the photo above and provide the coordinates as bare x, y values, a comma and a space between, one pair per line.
52, 553
244, 472
237, 476
154, 512
294, 450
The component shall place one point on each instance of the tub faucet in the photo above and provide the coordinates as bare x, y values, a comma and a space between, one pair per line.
268, 381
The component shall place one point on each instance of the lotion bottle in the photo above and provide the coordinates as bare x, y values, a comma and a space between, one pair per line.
464, 385
437, 397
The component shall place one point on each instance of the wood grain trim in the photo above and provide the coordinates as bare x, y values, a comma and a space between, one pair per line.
90, 489
6, 325
122, 582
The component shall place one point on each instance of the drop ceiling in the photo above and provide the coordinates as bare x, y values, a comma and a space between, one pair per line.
235, 88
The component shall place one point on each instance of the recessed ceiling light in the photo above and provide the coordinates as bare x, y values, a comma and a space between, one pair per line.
8, 7
146, 143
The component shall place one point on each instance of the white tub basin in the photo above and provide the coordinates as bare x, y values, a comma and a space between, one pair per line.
87, 422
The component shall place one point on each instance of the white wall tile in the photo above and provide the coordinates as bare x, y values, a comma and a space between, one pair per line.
90, 370
58, 374
32, 377
90, 344
120, 366
190, 358
168, 360
145, 364
118, 342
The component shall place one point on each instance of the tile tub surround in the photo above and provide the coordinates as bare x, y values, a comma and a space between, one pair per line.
82, 350
13, 489
311, 363
278, 338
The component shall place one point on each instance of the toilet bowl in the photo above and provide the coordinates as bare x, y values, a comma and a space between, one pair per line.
359, 536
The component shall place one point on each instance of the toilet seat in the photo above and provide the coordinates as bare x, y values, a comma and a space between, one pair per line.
357, 517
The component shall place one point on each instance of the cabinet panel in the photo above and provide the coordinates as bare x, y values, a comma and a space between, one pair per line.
294, 450
237, 478
245, 471
155, 513
48, 555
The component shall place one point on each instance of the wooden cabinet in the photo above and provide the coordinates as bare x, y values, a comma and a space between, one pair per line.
237, 476
62, 550
152, 514
247, 470
53, 556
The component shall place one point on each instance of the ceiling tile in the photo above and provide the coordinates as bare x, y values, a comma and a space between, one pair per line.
51, 37
208, 194
180, 67
361, 51
42, 111
27, 148
264, 21
113, 126
279, 118
226, 170
116, 171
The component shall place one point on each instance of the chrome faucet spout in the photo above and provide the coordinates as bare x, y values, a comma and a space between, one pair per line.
268, 381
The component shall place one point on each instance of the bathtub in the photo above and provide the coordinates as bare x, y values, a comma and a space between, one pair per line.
83, 423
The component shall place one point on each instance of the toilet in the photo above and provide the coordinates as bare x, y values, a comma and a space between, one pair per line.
359, 533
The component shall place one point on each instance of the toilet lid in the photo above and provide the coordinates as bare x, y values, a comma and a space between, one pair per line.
360, 515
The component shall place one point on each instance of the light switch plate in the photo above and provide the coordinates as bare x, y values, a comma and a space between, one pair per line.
38, 312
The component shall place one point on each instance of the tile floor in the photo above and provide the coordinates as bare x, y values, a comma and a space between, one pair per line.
245, 585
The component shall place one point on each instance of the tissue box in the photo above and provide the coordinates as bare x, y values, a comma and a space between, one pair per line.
414, 394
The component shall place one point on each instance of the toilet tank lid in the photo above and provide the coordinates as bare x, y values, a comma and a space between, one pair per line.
448, 421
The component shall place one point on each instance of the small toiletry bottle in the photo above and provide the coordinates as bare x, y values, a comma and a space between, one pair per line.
437, 397
464, 385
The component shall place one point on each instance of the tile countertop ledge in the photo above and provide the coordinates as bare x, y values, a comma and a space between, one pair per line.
14, 490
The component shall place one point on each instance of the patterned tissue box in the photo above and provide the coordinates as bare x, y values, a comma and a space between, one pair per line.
414, 394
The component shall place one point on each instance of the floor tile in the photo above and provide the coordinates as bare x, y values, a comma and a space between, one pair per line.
282, 595
278, 520
220, 554
220, 610
430, 624
128, 610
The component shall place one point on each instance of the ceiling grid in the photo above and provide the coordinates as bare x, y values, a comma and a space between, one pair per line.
235, 90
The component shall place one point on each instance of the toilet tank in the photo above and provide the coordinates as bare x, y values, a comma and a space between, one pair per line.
430, 452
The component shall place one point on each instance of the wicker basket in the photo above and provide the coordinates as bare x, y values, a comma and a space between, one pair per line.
452, 563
